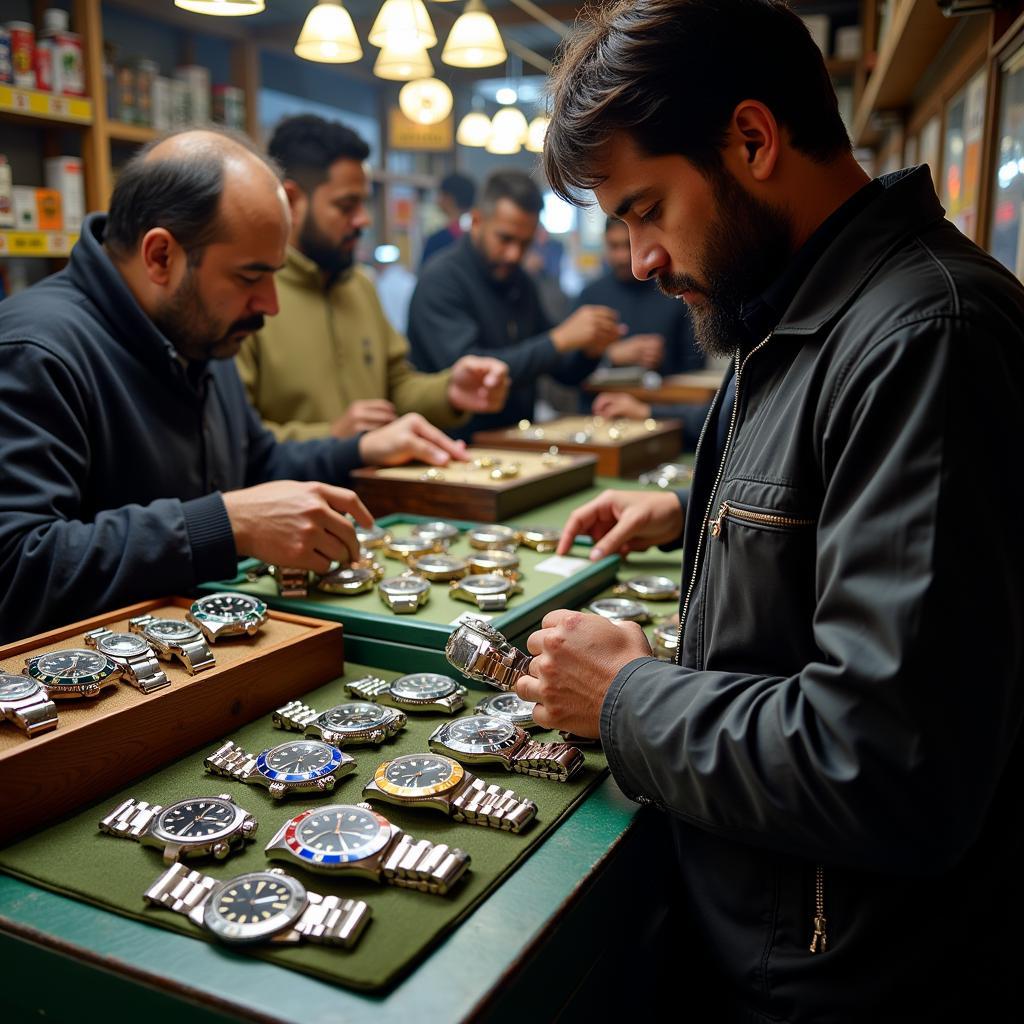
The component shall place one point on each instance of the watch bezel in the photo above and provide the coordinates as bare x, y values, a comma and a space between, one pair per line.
255, 615
458, 773
419, 698
385, 716
292, 778
194, 632
435, 530
244, 934
103, 645
419, 586
12, 678
631, 609
521, 717
64, 685
501, 536
484, 585
294, 844
653, 587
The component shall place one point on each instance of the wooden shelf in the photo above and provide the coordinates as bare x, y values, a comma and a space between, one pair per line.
916, 32
33, 105
121, 131
45, 244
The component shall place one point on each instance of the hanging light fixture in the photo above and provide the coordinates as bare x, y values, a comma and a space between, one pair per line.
222, 8
535, 132
399, 19
474, 129
403, 61
328, 36
474, 41
426, 101
508, 126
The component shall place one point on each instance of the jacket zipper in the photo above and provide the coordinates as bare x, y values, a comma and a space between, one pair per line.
819, 940
766, 518
714, 490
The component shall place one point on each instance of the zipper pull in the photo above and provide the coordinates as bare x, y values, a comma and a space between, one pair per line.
715, 526
819, 940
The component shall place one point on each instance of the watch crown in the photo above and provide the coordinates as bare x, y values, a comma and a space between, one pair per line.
220, 850
249, 825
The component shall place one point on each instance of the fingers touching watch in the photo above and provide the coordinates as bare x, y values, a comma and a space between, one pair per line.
479, 651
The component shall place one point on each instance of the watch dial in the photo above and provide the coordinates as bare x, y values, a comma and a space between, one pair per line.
347, 575
486, 584
228, 606
14, 687
479, 733
438, 563
509, 704
437, 530
354, 716
336, 834
301, 759
423, 686
173, 629
254, 906
196, 819
417, 771
73, 664
404, 585
123, 645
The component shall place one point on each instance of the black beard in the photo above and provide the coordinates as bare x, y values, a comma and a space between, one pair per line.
328, 257
749, 246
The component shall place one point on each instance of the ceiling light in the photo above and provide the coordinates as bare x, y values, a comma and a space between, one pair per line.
402, 62
474, 129
474, 41
222, 8
426, 101
328, 36
402, 19
535, 133
506, 95
508, 131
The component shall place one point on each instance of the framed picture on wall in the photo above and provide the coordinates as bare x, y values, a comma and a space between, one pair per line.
1005, 234
961, 155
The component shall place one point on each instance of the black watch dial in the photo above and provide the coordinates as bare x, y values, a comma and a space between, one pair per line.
419, 771
343, 831
423, 686
355, 716
480, 734
300, 758
196, 819
228, 606
510, 704
173, 630
253, 907
73, 664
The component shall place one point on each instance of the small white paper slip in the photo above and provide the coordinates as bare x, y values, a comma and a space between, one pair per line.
470, 615
562, 565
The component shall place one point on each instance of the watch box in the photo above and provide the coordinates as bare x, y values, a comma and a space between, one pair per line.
102, 744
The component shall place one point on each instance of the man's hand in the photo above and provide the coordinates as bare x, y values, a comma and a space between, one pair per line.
363, 414
408, 439
478, 384
644, 350
617, 405
575, 658
590, 328
624, 521
296, 523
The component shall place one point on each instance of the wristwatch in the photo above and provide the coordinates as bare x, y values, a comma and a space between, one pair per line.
25, 703
299, 766
650, 588
489, 592
479, 651
432, 780
436, 530
493, 536
175, 638
291, 582
668, 474
219, 615
495, 562
350, 579
490, 739
343, 725
353, 839
372, 537
439, 566
540, 538
666, 640
72, 673
194, 827
620, 609
420, 691
259, 906
404, 548
136, 658
509, 706
404, 594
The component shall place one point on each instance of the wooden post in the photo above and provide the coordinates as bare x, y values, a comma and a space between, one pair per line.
245, 73
88, 23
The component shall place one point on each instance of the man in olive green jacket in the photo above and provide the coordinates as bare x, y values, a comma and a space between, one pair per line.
330, 363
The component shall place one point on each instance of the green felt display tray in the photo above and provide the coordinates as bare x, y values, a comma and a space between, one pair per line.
74, 859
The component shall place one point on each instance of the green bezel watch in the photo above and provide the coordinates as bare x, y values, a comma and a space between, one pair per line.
72, 673
227, 614
351, 724
418, 691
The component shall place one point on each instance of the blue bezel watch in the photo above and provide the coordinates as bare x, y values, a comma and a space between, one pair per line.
270, 767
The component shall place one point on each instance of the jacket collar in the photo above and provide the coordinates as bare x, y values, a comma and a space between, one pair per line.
907, 205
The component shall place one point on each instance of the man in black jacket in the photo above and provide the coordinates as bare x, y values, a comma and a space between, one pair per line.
474, 298
132, 464
838, 749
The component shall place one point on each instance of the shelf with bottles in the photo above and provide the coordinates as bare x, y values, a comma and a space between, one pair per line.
35, 105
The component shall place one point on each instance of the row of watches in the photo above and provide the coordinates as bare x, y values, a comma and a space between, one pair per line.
134, 656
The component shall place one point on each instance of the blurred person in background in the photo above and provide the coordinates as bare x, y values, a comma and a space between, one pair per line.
455, 197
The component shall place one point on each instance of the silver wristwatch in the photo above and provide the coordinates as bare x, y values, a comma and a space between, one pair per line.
495, 562
227, 614
666, 639
349, 580
343, 725
418, 691
489, 592
300, 766
189, 828
260, 906
403, 548
620, 609
353, 839
493, 536
490, 739
439, 567
24, 702
482, 653
404, 594
436, 530
175, 638
73, 672
650, 588
135, 656
433, 780
510, 706
542, 539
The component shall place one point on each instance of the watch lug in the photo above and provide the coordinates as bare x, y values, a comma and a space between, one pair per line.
277, 790
171, 854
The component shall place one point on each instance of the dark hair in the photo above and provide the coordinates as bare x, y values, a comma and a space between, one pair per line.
517, 186
181, 193
460, 188
306, 145
670, 73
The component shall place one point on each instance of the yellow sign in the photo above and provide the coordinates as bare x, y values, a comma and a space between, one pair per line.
36, 243
31, 102
406, 134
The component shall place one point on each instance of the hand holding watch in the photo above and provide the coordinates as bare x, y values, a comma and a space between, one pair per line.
343, 725
418, 691
479, 651
300, 766
136, 658
24, 702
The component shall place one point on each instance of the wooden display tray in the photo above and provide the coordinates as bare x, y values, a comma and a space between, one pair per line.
642, 445
100, 745
680, 389
465, 492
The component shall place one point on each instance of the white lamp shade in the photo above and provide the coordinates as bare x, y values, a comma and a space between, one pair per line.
535, 133
328, 36
510, 123
426, 101
403, 63
474, 129
402, 19
222, 8
474, 41
502, 145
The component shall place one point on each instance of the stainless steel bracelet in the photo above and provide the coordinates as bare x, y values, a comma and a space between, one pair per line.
130, 819
369, 687
505, 667
422, 865
294, 716
492, 602
34, 714
195, 655
232, 761
558, 761
291, 582
143, 671
492, 806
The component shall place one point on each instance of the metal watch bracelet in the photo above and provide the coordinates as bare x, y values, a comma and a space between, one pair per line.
369, 687
504, 667
232, 761
130, 819
196, 654
143, 671
294, 716
34, 715
423, 865
492, 806
558, 761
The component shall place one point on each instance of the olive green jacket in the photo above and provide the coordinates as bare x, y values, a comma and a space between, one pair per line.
325, 350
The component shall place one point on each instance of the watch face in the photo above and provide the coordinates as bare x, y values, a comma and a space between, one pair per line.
619, 608
337, 834
350, 575
404, 546
485, 584
72, 666
123, 645
173, 630
229, 607
653, 587
496, 559
354, 717
205, 818
371, 537
14, 687
299, 761
479, 734
493, 536
254, 906
539, 535
423, 686
404, 586
416, 775
507, 705
438, 530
